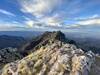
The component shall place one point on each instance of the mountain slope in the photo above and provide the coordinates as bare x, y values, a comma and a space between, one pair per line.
54, 57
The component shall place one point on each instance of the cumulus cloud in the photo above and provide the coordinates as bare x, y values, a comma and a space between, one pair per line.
85, 24
14, 25
55, 20
34, 24
87, 17
48, 13
87, 21
29, 23
43, 10
7, 12
90, 22
39, 8
55, 13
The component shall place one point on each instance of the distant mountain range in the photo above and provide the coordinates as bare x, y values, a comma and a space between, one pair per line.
25, 34
85, 41
11, 41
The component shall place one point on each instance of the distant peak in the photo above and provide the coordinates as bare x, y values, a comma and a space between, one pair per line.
55, 35
44, 39
47, 38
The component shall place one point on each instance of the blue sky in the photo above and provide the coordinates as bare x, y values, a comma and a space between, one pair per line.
66, 15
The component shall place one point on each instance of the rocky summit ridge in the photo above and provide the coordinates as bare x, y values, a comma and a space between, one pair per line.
56, 58
44, 39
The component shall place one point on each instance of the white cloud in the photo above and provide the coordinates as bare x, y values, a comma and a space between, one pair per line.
44, 17
14, 25
30, 23
87, 17
73, 26
54, 20
85, 23
33, 24
94, 16
39, 8
90, 22
47, 21
42, 10
6, 12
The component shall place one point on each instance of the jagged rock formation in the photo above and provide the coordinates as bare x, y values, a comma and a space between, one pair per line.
8, 55
55, 57
45, 38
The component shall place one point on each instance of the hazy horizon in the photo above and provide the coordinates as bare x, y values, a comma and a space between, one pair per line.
31, 34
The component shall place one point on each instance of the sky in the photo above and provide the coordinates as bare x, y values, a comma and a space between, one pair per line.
43, 15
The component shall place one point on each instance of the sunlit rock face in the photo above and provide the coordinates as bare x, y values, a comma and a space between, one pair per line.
57, 58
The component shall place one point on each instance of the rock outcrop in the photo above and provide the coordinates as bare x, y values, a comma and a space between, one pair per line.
53, 59
44, 39
8, 55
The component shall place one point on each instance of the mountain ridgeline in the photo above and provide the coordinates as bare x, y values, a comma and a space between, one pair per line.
46, 38
53, 54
